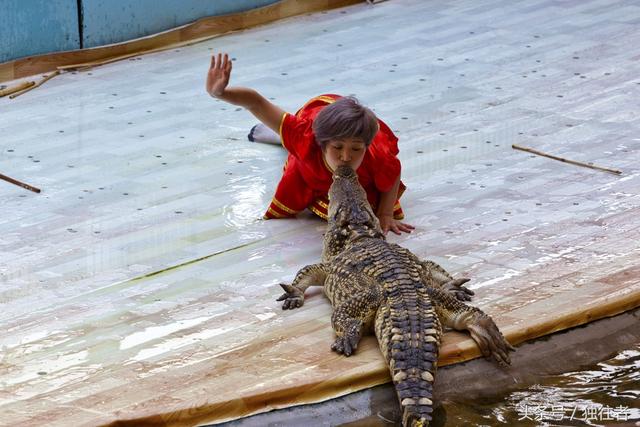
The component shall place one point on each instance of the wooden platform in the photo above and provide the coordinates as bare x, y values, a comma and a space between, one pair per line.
140, 284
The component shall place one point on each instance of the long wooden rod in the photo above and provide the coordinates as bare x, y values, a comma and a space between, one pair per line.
17, 88
19, 183
27, 89
573, 162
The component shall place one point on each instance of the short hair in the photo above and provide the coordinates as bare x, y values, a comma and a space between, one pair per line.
345, 118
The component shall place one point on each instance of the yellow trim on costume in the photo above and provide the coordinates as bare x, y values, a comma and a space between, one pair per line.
401, 190
326, 99
322, 204
319, 213
274, 213
283, 207
280, 128
396, 206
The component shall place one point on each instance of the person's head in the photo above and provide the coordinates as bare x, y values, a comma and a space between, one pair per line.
344, 130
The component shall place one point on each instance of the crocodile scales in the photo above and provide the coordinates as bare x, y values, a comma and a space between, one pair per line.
373, 284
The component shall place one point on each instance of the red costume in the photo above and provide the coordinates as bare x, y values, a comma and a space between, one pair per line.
307, 177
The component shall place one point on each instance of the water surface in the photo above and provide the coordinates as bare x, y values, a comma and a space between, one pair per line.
607, 393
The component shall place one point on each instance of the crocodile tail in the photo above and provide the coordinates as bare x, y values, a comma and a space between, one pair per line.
408, 331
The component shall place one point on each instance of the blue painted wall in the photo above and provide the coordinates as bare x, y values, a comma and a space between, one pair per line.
30, 27
109, 21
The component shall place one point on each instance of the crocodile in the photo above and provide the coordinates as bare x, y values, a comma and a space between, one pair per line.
376, 285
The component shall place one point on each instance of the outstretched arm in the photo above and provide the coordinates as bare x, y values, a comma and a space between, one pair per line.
218, 87
385, 212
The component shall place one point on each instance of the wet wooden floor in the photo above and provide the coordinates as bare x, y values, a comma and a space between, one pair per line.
141, 283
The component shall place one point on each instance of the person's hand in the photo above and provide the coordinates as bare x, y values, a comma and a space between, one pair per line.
218, 75
387, 222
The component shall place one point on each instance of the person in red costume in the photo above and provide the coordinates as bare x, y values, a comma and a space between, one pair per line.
328, 131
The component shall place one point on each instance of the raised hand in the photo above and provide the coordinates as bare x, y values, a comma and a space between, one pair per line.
218, 75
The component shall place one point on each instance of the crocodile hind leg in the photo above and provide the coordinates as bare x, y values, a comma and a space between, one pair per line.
459, 316
432, 272
455, 288
310, 275
351, 317
447, 283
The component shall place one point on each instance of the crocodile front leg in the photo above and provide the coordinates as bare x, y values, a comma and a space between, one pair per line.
310, 275
350, 318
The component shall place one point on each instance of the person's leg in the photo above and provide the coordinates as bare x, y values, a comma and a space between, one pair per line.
261, 133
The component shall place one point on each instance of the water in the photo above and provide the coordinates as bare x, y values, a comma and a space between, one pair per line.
604, 394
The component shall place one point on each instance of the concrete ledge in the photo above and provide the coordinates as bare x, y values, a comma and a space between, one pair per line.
566, 351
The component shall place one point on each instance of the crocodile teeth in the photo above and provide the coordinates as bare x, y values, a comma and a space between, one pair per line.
426, 375
430, 332
396, 337
429, 338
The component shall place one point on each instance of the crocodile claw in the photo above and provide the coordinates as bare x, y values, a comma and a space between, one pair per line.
293, 297
348, 343
455, 288
491, 341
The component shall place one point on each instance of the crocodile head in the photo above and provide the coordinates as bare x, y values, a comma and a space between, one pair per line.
350, 214
348, 204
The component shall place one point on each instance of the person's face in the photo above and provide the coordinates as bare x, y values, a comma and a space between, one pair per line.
349, 151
